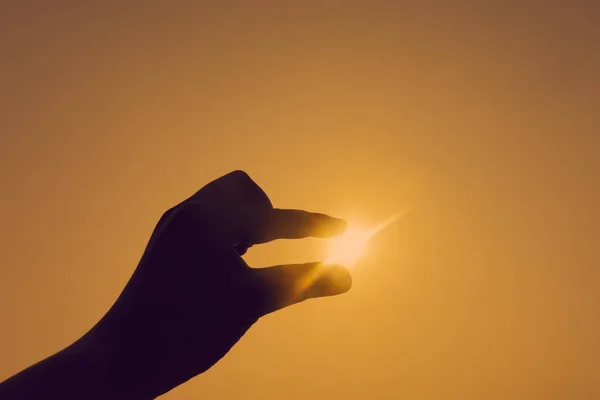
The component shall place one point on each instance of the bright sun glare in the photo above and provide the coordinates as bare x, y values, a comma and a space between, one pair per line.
348, 248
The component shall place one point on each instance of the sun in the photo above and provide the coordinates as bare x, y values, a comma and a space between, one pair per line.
348, 248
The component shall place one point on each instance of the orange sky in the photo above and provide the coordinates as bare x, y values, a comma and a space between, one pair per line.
481, 116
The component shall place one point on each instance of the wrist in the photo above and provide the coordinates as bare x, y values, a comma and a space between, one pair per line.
95, 354
90, 358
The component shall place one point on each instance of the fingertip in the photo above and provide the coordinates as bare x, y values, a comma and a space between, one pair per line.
331, 280
340, 226
340, 277
327, 226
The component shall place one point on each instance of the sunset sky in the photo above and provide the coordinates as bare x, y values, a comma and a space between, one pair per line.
481, 116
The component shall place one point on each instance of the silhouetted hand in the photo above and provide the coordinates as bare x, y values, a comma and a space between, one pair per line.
192, 296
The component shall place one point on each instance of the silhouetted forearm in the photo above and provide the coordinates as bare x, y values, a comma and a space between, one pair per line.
69, 374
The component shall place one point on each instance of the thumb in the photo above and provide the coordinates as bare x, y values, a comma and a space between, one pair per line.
284, 285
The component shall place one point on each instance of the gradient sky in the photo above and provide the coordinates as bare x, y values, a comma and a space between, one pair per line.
482, 115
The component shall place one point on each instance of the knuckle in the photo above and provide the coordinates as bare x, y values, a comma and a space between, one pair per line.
240, 175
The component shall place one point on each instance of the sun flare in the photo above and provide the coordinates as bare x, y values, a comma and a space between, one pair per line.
351, 246
348, 248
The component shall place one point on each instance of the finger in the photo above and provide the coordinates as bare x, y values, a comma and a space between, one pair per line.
281, 286
235, 188
255, 226
231, 226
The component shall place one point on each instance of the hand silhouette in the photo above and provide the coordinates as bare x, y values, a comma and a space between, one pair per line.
192, 296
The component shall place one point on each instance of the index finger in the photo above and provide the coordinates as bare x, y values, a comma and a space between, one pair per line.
261, 226
251, 225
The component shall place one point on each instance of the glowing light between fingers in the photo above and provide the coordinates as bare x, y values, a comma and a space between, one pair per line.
350, 247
